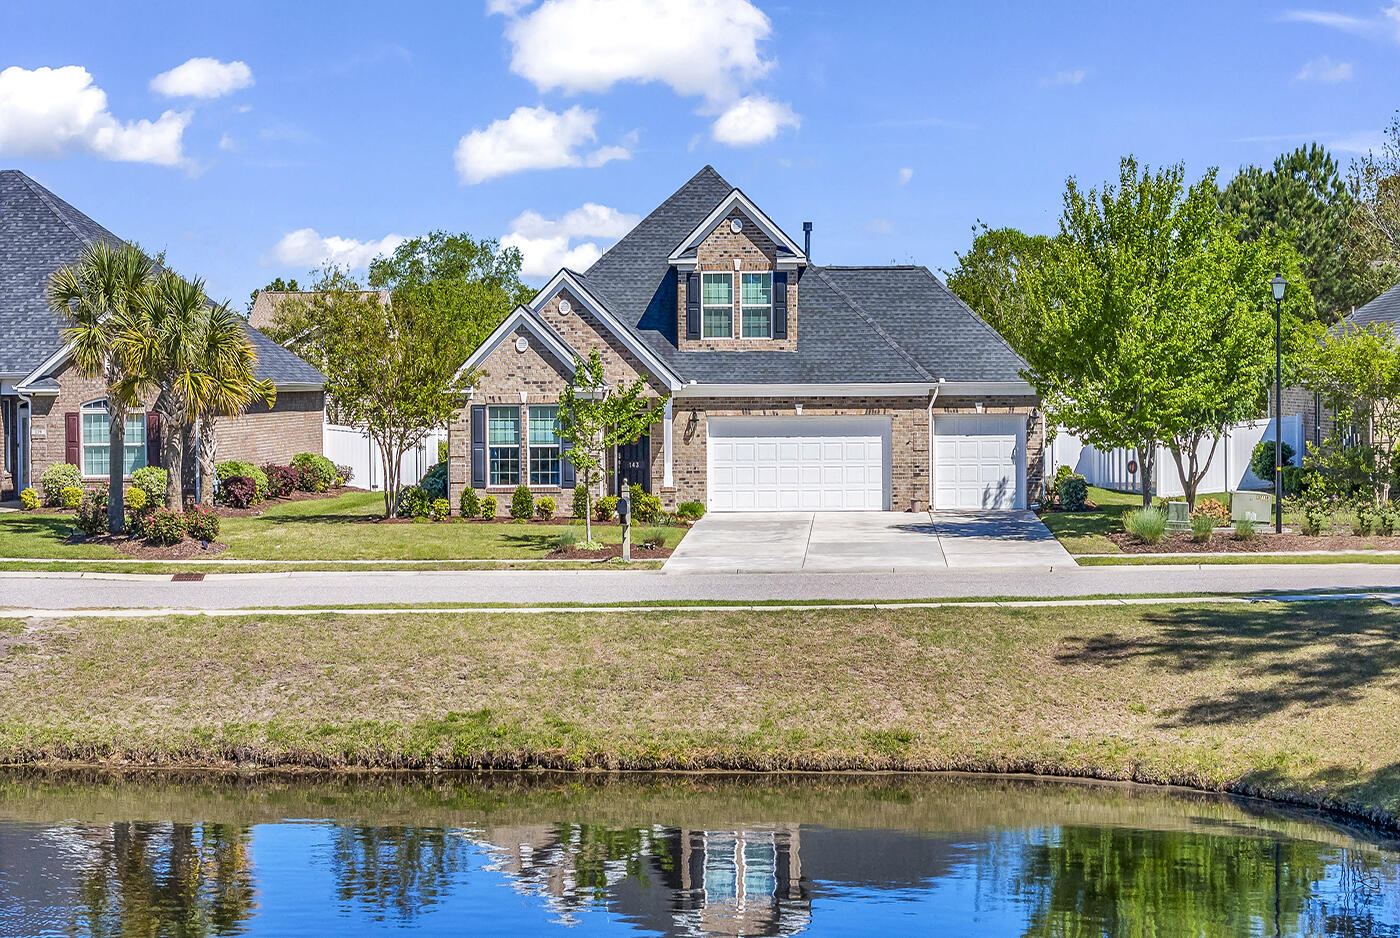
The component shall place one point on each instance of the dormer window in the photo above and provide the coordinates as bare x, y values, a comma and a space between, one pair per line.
756, 305
717, 306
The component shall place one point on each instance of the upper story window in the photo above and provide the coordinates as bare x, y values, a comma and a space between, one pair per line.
503, 445
756, 305
96, 441
717, 306
544, 445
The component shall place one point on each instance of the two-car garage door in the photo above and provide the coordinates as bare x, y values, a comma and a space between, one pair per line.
798, 464
843, 463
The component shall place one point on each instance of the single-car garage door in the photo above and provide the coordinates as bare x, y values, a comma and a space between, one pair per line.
798, 463
979, 461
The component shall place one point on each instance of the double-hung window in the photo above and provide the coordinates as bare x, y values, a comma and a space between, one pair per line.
96, 441
544, 445
756, 305
503, 445
717, 306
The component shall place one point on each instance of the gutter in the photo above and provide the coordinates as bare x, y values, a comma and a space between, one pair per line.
931, 398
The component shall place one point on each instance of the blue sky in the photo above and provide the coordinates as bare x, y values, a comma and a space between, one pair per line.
302, 130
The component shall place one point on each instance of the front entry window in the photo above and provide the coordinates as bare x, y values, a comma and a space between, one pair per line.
503, 440
717, 302
96, 441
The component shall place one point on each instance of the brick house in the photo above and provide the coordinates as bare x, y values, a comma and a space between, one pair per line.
49, 413
788, 385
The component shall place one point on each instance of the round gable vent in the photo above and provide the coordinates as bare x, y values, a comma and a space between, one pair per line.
565, 307
521, 343
736, 225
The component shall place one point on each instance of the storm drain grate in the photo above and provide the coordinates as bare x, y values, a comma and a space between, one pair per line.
187, 577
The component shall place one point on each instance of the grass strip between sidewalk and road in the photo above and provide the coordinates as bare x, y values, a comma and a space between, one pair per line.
1292, 701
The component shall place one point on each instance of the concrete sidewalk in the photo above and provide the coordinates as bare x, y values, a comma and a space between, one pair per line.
410, 588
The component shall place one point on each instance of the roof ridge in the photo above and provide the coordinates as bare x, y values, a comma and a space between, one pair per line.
661, 205
879, 330
48, 199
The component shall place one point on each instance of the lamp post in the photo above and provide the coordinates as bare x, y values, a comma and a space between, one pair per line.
1279, 286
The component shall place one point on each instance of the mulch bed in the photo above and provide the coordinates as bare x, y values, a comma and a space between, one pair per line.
611, 550
1264, 542
224, 511
1054, 505
133, 547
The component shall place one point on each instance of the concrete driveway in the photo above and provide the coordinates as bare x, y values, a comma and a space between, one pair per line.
865, 541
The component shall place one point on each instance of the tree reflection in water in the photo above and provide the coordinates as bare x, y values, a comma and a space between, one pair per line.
395, 872
158, 879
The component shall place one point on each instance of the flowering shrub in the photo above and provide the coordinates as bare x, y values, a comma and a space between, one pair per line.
281, 480
226, 470
55, 479
544, 507
166, 527
29, 499
441, 508
605, 508
201, 523
343, 474
314, 473
91, 516
151, 480
71, 496
488, 508
236, 492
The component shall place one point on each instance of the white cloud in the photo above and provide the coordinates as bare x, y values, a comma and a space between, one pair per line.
1072, 76
52, 111
1362, 142
704, 48
533, 138
545, 243
505, 7
1324, 70
880, 226
1385, 25
306, 247
753, 120
906, 173
203, 78
229, 142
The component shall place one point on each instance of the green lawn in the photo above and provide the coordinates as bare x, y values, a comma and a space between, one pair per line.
322, 529
1298, 700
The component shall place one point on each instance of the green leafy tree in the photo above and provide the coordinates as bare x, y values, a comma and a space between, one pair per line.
988, 278
1304, 198
389, 365
1356, 371
594, 417
471, 284
277, 285
1374, 232
228, 361
1149, 319
96, 296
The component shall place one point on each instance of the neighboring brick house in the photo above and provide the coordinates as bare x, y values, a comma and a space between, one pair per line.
49, 413
789, 386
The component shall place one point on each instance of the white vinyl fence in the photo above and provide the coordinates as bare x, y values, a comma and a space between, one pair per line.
351, 446
1228, 471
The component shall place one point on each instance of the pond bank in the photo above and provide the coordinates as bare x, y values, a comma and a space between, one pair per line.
1294, 703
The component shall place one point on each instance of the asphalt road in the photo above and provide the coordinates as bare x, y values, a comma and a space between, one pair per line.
244, 590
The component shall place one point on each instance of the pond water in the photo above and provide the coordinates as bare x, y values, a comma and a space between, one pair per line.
160, 854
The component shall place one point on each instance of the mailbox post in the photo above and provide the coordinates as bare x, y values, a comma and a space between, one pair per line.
624, 515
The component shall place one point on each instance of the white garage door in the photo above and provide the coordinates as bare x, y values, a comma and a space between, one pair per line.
979, 462
798, 463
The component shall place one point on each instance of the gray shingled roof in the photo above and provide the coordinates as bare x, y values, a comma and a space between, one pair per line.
39, 233
854, 324
1384, 308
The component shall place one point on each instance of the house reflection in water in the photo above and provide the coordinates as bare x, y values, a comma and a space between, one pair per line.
675, 881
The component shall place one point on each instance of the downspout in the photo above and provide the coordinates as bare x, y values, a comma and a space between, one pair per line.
931, 468
26, 459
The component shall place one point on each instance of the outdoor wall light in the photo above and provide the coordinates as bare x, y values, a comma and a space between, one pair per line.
798, 407
980, 407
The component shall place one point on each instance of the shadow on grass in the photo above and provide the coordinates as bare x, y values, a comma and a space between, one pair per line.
48, 528
1299, 655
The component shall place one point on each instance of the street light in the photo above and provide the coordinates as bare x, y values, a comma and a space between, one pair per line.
1279, 286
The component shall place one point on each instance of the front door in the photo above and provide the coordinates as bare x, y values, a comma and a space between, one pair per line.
634, 464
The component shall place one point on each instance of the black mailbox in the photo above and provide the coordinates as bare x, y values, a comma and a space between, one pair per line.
624, 509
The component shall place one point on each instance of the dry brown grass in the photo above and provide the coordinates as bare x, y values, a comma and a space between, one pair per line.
1297, 701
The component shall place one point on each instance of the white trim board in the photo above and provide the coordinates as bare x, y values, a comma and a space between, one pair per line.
756, 214
521, 316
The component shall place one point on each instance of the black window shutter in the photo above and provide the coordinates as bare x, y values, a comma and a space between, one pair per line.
478, 446
780, 304
566, 472
692, 305
152, 438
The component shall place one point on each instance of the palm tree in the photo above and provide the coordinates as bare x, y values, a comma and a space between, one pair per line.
196, 359
229, 362
96, 295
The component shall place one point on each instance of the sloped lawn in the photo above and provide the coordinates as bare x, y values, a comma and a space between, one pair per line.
340, 528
